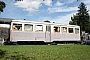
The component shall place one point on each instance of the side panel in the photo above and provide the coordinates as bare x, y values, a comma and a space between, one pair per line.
65, 37
26, 36
47, 36
39, 36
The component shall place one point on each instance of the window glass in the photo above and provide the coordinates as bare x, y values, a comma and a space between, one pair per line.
39, 28
76, 30
28, 27
17, 27
48, 28
56, 29
70, 30
88, 37
64, 29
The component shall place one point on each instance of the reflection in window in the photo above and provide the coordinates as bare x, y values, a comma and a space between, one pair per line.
48, 28
17, 27
39, 28
28, 27
70, 30
56, 29
64, 30
76, 30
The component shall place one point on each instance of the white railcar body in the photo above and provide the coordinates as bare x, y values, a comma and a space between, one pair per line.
22, 30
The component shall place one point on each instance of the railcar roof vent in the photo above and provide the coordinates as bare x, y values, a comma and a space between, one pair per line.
24, 19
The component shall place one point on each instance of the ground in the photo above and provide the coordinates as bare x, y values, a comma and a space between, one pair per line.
45, 52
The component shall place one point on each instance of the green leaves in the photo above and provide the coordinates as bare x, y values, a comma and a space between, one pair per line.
2, 6
81, 18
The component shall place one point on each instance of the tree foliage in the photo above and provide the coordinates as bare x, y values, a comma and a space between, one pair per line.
81, 18
2, 6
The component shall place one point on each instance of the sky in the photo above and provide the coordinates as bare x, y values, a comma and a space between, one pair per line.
58, 11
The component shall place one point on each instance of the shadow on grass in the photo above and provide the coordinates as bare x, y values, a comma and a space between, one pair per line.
2, 53
18, 56
14, 56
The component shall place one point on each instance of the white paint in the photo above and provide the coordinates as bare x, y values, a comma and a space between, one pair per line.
5, 25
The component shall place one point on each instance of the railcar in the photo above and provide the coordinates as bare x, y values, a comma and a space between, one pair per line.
30, 31
22, 30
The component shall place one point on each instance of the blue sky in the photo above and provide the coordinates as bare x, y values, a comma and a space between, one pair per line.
59, 11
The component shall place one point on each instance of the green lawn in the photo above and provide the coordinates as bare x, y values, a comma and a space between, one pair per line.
45, 52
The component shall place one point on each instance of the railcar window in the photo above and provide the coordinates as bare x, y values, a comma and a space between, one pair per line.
39, 28
28, 27
88, 37
70, 30
48, 28
17, 27
64, 29
76, 30
56, 29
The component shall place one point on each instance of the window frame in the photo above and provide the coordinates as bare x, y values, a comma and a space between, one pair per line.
56, 29
75, 30
29, 25
36, 30
62, 30
69, 30
15, 28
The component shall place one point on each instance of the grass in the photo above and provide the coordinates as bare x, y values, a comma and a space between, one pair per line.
45, 52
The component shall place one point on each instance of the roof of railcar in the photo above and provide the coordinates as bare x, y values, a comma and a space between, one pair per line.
35, 22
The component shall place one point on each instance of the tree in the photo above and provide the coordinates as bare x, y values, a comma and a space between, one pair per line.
2, 6
81, 18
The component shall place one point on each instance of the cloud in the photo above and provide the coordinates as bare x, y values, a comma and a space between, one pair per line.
64, 6
64, 19
70, 1
62, 9
47, 2
58, 3
28, 5
44, 18
32, 5
86, 1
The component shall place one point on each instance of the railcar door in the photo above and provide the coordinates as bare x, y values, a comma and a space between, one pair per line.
48, 34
